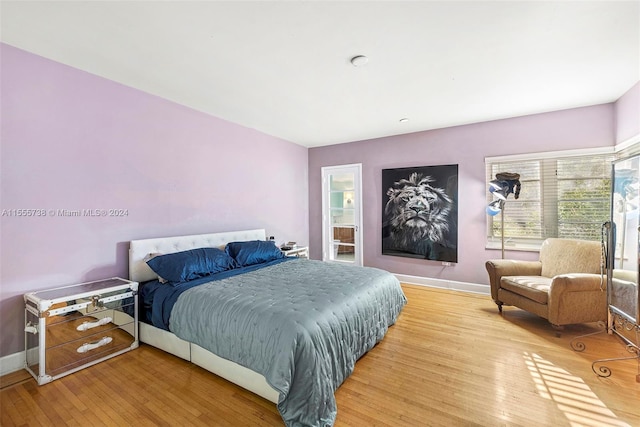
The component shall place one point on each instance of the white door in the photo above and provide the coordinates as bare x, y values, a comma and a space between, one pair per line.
342, 214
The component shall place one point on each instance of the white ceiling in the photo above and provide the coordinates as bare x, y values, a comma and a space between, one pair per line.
283, 67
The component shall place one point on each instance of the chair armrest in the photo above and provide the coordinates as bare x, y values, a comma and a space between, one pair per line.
577, 282
508, 267
577, 292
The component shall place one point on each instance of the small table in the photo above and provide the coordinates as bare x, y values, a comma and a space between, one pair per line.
300, 252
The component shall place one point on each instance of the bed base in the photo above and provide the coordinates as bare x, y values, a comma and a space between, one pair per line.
167, 341
237, 374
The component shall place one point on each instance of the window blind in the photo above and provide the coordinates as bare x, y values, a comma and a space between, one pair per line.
564, 194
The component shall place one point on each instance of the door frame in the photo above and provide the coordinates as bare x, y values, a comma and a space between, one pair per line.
327, 239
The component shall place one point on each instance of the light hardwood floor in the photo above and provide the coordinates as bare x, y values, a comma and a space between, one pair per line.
450, 360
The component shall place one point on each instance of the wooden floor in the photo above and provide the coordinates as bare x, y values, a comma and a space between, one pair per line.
450, 360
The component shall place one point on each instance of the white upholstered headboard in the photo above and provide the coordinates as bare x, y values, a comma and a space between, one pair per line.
139, 271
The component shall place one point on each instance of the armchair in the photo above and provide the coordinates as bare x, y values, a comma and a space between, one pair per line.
565, 286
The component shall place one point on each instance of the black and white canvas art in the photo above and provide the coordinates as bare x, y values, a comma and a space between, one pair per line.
420, 212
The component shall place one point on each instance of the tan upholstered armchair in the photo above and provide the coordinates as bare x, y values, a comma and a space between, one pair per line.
565, 286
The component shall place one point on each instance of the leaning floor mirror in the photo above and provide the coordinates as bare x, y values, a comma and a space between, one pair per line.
624, 243
621, 253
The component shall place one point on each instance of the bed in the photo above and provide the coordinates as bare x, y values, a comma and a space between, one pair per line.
287, 329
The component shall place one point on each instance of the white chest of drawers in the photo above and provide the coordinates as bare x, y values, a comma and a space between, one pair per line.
73, 327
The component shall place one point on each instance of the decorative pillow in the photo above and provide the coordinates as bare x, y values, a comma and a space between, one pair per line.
192, 264
253, 252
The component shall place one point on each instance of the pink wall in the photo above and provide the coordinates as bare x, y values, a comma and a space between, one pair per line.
627, 111
466, 146
72, 140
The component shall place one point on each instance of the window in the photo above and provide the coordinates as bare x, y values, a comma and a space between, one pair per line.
563, 194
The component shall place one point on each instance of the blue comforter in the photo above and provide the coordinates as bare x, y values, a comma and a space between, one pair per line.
302, 324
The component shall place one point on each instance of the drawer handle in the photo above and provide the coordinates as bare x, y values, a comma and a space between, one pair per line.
89, 325
31, 328
93, 345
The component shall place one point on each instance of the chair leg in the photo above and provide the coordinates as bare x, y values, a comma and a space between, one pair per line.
499, 304
558, 329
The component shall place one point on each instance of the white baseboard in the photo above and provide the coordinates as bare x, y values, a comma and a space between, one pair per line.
444, 284
11, 363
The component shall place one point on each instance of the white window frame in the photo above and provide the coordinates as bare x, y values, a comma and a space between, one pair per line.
548, 198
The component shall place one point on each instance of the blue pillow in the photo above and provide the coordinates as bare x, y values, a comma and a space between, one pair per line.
192, 264
253, 252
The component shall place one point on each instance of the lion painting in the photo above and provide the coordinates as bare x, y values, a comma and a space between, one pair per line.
417, 216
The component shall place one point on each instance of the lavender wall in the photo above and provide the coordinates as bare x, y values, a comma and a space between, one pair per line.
627, 114
466, 146
71, 140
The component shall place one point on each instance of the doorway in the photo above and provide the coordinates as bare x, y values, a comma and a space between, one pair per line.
342, 214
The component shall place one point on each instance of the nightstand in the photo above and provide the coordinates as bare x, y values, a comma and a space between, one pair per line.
73, 327
300, 252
